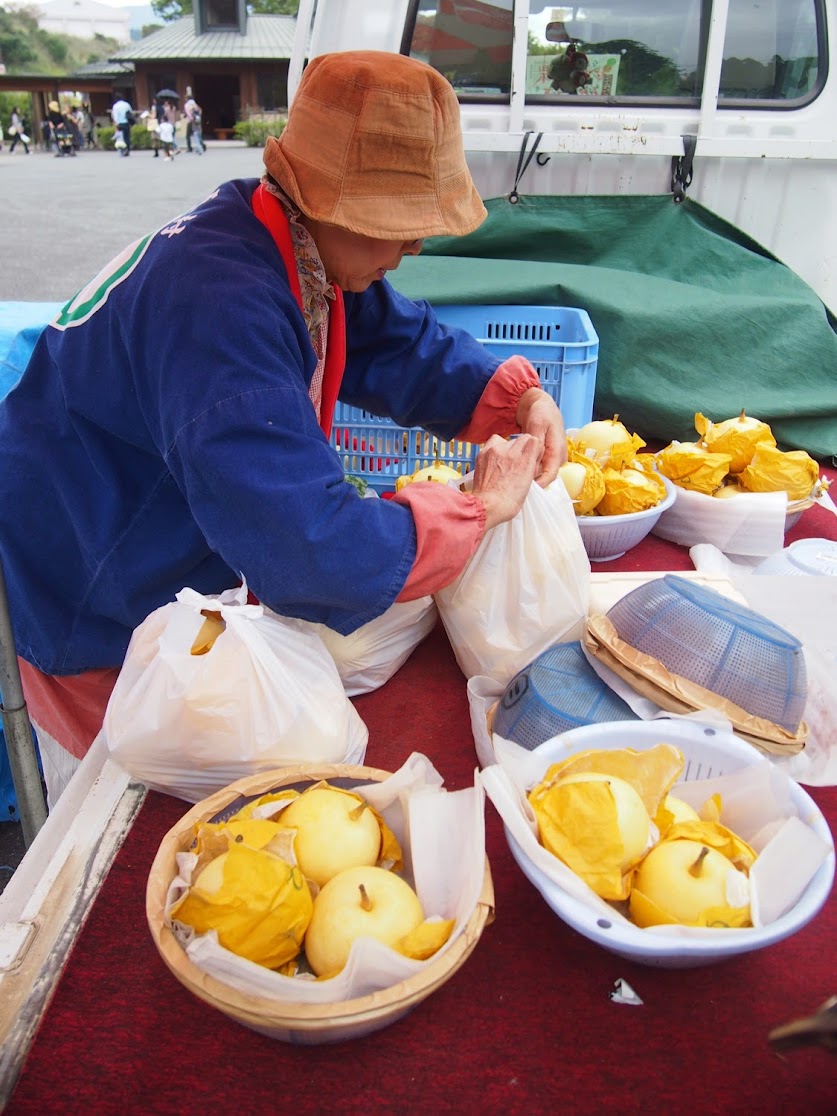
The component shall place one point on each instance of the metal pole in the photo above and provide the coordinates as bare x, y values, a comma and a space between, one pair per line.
18, 731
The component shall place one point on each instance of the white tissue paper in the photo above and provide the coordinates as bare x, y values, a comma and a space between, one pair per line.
750, 523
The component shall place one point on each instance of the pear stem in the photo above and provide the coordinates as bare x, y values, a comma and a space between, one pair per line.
696, 869
355, 814
365, 901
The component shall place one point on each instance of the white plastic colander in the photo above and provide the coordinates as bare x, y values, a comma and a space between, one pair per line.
708, 753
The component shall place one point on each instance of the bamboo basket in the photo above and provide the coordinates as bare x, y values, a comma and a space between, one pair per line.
298, 1023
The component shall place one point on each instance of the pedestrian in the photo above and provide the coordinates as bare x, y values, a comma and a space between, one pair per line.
166, 132
88, 127
203, 456
75, 120
17, 130
56, 124
122, 115
189, 112
194, 128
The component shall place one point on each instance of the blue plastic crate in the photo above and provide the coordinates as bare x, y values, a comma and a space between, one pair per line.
560, 343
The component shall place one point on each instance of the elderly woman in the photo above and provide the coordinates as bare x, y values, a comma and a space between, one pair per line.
143, 452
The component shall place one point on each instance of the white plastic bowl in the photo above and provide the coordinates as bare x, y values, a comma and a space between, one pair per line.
607, 537
708, 752
816, 557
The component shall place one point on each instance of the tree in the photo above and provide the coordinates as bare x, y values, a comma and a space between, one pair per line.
175, 9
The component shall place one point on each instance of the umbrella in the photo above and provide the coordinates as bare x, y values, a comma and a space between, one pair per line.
167, 95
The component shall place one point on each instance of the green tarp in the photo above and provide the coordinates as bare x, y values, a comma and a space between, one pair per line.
692, 315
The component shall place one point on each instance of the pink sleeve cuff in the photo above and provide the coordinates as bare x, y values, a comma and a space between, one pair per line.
449, 527
497, 407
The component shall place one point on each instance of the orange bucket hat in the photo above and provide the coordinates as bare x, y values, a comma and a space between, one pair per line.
373, 145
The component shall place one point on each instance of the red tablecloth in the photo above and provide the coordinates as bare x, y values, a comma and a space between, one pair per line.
526, 1026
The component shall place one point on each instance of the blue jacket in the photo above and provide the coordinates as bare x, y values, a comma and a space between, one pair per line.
147, 449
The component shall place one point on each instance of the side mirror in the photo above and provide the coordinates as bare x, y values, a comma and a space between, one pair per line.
556, 33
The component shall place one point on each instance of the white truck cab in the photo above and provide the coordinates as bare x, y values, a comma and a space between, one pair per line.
734, 101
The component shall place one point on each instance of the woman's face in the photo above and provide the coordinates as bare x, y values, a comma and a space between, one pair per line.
353, 261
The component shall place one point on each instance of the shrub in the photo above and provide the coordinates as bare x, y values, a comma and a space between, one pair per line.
255, 132
140, 137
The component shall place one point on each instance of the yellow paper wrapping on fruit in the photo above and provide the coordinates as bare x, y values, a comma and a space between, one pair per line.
690, 467
594, 485
578, 823
664, 819
652, 773
623, 453
739, 438
281, 798
438, 473
260, 912
645, 913
771, 470
254, 832
716, 836
629, 490
428, 937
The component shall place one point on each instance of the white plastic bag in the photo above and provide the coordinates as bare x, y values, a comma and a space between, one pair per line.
526, 587
266, 694
369, 657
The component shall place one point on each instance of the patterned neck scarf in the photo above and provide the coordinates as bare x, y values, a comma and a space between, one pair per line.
316, 289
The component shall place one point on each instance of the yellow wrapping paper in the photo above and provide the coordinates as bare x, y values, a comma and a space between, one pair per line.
771, 470
594, 485
261, 911
629, 490
427, 937
578, 822
689, 466
738, 437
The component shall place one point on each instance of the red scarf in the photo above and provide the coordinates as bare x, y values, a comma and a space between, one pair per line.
269, 211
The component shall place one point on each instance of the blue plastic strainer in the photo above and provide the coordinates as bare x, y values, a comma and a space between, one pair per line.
557, 691
700, 634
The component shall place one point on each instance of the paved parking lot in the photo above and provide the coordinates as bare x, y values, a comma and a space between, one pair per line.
63, 219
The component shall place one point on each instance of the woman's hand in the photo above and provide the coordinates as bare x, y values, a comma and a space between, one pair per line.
538, 415
503, 475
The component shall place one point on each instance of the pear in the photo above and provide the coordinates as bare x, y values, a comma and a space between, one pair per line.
682, 881
438, 472
359, 902
335, 829
602, 435
736, 436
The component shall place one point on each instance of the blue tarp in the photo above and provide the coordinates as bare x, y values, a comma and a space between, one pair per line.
21, 324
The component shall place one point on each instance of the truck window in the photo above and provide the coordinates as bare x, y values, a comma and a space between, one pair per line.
624, 50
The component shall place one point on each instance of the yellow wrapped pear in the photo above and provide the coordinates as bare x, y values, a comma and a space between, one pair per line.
438, 472
690, 466
608, 441
629, 490
737, 436
689, 883
594, 809
258, 903
771, 470
583, 480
